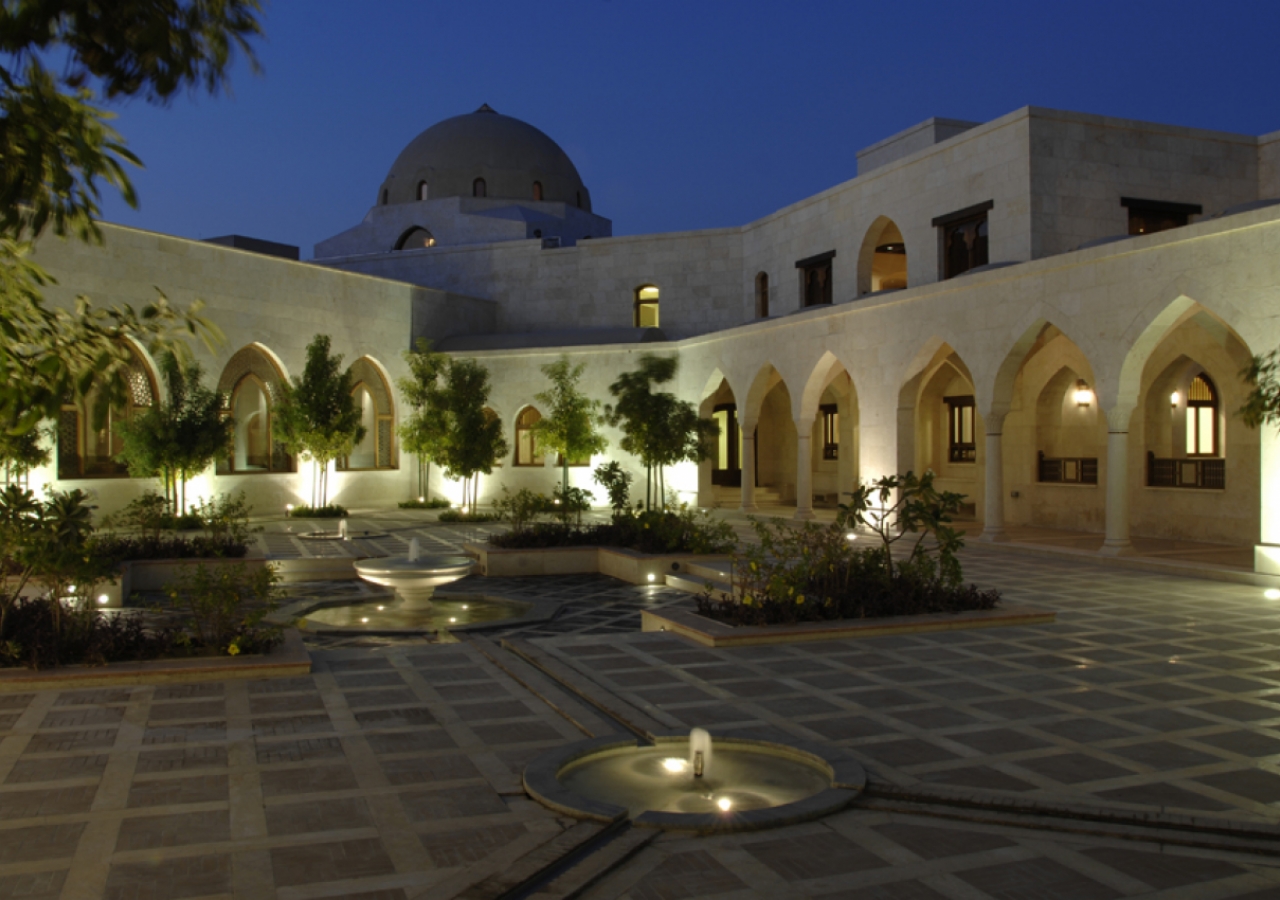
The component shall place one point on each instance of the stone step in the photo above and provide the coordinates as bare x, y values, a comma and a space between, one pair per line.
528, 870
596, 866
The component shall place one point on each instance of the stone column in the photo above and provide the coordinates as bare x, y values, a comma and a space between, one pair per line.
748, 466
804, 469
1117, 541
993, 496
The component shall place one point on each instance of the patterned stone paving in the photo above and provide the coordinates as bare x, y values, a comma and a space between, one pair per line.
393, 770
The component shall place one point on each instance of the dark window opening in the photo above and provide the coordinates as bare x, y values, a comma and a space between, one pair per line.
579, 199
422, 190
1150, 216
478, 188
384, 197
815, 279
537, 190
962, 445
762, 295
830, 431
964, 239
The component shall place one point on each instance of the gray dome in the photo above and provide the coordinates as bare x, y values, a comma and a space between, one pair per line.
509, 155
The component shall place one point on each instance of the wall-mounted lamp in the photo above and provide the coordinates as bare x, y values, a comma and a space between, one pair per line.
1083, 396
1174, 399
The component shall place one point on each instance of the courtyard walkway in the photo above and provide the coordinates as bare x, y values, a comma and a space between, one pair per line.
1132, 749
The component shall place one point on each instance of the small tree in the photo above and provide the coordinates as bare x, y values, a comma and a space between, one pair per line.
179, 438
425, 432
317, 417
570, 422
906, 506
20, 453
658, 427
1262, 406
474, 437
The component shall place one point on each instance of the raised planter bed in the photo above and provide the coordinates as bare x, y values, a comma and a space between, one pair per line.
288, 660
711, 633
626, 565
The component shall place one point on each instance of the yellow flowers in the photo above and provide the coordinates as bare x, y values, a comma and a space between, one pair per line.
233, 649
754, 566
746, 599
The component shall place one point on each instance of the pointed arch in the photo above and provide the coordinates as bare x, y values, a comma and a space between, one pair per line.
882, 258
372, 389
250, 386
87, 437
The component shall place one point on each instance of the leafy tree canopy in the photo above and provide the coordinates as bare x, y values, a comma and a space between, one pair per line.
59, 59
316, 415
425, 431
570, 420
1262, 406
474, 436
178, 438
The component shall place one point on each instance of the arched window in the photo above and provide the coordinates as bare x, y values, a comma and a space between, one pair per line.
526, 442
88, 440
422, 190
579, 199
478, 188
1202, 417
537, 190
377, 449
416, 238
249, 384
762, 295
646, 315
384, 196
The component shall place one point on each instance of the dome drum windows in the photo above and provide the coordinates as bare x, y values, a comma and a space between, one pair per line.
422, 191
479, 188
537, 190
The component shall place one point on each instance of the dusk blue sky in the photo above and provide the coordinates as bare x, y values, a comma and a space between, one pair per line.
679, 115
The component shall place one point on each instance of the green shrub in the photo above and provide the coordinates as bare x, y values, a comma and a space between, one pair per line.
810, 573
433, 503
331, 511
522, 508
459, 515
675, 531
33, 636
616, 482
224, 606
145, 530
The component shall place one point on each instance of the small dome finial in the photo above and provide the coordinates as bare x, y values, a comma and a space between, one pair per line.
485, 107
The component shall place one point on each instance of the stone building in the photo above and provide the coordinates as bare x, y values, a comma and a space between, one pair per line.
1050, 310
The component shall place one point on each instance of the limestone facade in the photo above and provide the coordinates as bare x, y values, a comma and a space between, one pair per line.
1071, 357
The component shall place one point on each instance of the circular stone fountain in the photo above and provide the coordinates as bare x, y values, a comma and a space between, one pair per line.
685, 783
414, 577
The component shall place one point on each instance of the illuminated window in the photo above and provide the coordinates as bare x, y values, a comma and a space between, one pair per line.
478, 188
646, 314
762, 295
815, 279
422, 190
1202, 417
87, 444
537, 190
1150, 216
830, 431
526, 441
962, 446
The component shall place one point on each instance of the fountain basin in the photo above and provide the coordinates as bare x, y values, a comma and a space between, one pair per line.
753, 783
443, 613
414, 579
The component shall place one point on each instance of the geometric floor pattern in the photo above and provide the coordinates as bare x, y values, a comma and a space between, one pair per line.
393, 771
